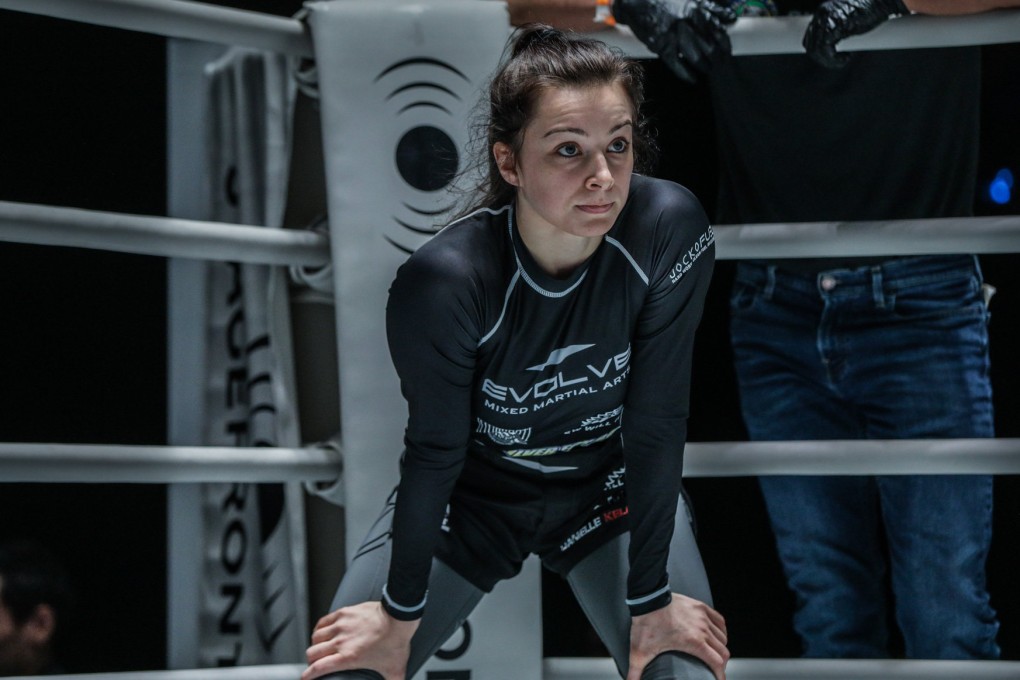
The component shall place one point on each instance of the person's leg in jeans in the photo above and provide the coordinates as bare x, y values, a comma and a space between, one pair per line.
939, 529
451, 597
599, 582
922, 372
827, 529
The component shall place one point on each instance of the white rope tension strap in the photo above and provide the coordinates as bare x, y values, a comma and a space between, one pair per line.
774, 35
180, 19
114, 464
167, 237
101, 463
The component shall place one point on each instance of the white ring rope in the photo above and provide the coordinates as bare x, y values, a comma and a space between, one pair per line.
164, 236
267, 672
808, 669
603, 669
100, 463
773, 35
890, 237
853, 457
783, 35
180, 19
172, 237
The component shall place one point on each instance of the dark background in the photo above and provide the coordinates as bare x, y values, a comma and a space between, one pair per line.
83, 343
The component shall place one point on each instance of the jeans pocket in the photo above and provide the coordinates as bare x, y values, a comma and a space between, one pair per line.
956, 296
743, 296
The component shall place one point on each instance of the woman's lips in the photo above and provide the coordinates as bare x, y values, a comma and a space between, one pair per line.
596, 209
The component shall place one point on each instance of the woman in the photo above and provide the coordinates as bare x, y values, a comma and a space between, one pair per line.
537, 339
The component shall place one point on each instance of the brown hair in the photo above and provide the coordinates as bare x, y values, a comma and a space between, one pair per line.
539, 58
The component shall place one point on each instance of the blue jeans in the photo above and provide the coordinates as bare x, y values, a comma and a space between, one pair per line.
892, 351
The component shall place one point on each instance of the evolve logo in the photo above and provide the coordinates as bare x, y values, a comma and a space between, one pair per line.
602, 374
427, 97
557, 356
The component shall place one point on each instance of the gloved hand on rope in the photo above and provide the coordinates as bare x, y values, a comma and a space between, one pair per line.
688, 37
838, 19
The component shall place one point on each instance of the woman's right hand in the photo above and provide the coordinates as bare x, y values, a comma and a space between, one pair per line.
685, 625
362, 636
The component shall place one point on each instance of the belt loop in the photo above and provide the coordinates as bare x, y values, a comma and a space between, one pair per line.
770, 281
876, 287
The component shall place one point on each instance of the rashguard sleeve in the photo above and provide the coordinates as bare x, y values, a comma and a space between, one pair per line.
428, 321
657, 401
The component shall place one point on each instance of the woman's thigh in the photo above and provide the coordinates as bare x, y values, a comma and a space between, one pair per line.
599, 581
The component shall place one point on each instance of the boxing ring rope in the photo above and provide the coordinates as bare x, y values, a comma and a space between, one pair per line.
806, 669
949, 235
118, 464
774, 35
603, 669
101, 463
207, 240
180, 19
162, 236
173, 237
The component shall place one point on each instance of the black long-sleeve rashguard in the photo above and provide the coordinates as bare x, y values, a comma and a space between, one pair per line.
545, 383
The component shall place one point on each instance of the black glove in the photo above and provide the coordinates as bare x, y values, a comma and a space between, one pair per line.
838, 19
688, 37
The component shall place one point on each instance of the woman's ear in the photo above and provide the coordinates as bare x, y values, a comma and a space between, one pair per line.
504, 156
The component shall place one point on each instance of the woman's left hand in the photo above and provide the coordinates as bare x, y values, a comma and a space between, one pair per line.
685, 625
362, 636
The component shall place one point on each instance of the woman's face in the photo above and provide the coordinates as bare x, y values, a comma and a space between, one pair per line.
573, 170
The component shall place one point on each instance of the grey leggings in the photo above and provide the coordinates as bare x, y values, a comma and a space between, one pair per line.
598, 581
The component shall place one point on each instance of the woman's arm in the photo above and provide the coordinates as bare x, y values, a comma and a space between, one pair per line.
658, 391
655, 429
431, 332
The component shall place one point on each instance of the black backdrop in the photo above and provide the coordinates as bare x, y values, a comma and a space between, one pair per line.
83, 343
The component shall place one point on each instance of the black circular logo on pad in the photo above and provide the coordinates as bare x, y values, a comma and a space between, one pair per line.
427, 158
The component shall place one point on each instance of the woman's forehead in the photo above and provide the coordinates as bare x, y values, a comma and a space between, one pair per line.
558, 105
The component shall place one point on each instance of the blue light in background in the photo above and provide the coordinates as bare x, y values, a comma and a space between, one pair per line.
1000, 190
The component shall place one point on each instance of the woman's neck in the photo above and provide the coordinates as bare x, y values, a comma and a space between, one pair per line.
558, 254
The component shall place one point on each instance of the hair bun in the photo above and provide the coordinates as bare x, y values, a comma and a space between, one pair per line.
531, 35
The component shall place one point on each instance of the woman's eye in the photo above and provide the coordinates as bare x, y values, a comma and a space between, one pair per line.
568, 150
619, 145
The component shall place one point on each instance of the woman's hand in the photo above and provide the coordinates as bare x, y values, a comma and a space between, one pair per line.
362, 636
685, 625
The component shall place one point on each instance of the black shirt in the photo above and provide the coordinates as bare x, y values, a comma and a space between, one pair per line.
549, 376
892, 135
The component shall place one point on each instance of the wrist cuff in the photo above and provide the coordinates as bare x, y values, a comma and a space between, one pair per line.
649, 603
400, 612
